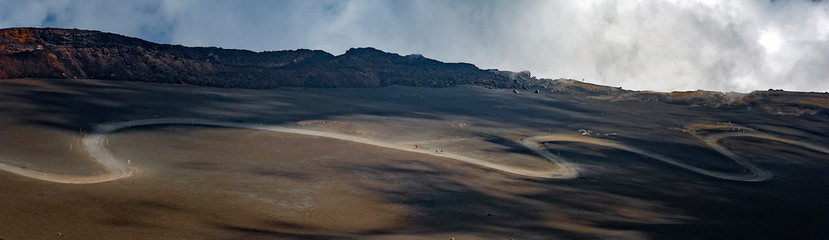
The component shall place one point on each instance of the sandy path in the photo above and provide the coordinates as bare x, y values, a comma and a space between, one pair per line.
713, 141
117, 169
93, 146
754, 174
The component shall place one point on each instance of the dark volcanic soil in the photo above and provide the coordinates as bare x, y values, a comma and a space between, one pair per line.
200, 182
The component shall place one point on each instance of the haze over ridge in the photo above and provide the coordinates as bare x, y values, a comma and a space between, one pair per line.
671, 45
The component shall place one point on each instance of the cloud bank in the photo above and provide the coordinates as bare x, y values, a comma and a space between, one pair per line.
654, 45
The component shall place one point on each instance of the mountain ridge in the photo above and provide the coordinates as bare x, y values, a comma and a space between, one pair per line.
71, 53
88, 54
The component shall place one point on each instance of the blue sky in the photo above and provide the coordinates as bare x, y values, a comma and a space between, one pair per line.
654, 45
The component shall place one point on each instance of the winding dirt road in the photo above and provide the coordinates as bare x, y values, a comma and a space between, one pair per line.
754, 174
93, 144
115, 168
713, 141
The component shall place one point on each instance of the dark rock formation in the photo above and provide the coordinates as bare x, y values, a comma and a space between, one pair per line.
71, 53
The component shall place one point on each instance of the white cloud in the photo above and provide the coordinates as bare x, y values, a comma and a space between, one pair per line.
658, 45
771, 40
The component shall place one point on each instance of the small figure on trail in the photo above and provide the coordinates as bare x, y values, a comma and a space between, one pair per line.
415, 146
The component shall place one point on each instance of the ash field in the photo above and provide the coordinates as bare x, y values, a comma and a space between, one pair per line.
361, 163
500, 156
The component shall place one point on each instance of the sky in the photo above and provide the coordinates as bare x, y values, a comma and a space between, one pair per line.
635, 44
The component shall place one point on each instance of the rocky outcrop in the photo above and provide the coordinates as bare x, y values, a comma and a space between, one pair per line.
72, 53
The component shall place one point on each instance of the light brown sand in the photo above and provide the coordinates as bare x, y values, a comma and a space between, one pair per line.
95, 145
44, 150
191, 183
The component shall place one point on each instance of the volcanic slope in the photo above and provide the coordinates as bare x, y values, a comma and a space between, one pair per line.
219, 182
